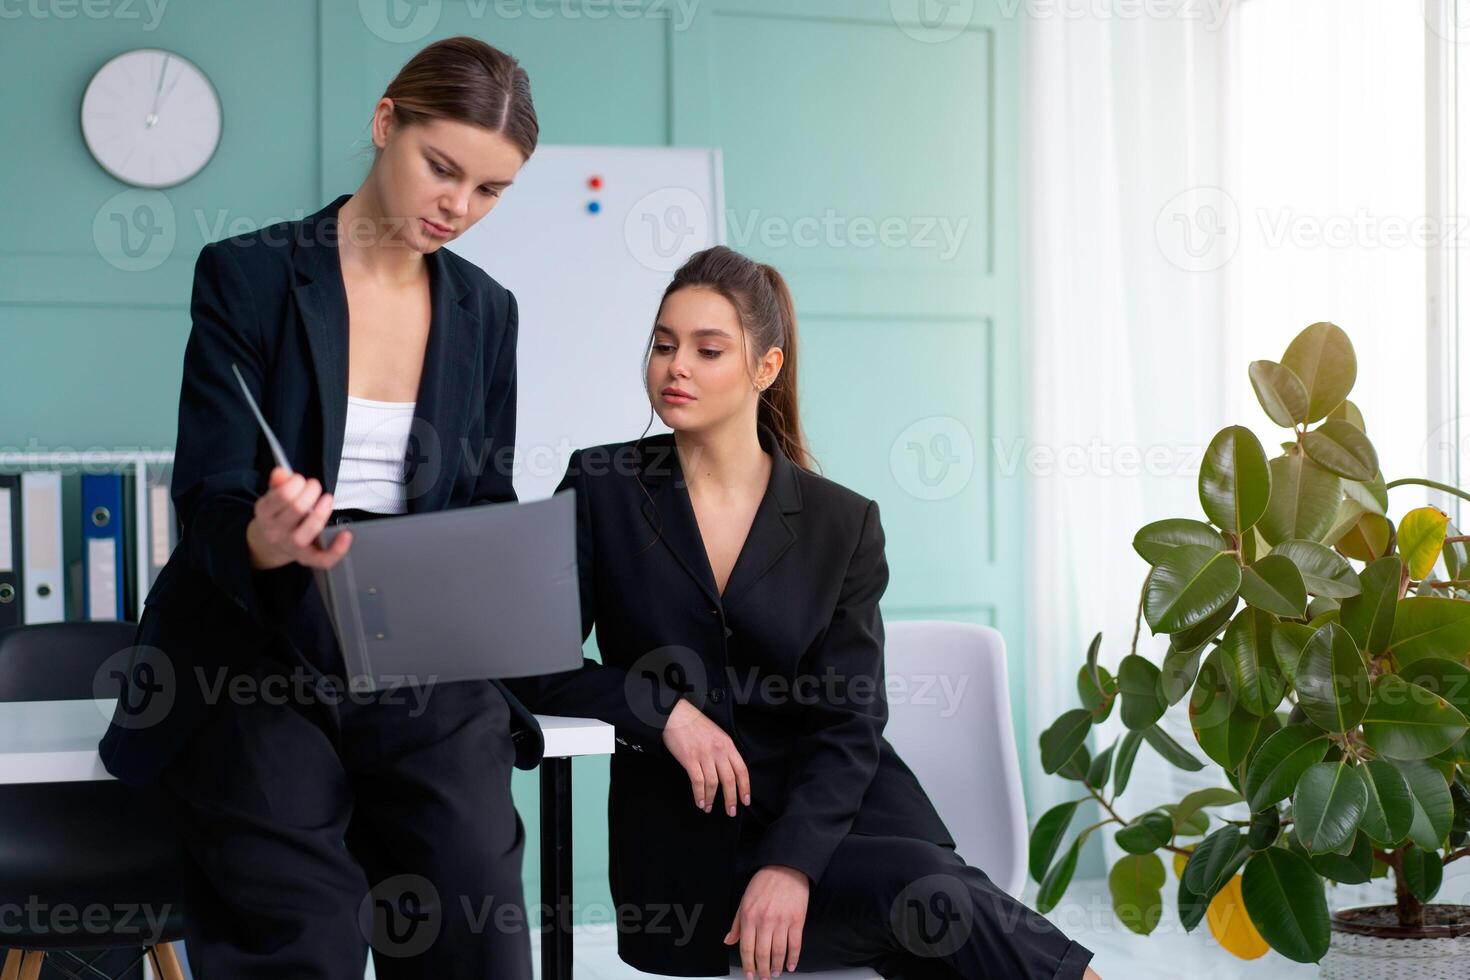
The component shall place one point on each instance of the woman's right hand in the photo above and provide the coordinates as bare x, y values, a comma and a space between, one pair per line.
708, 755
288, 517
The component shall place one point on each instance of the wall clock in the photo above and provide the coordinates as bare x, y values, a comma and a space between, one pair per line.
151, 118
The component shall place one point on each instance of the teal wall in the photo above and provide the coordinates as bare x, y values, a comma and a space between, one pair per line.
846, 113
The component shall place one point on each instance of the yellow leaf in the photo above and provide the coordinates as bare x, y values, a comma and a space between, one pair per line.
1230, 924
1421, 536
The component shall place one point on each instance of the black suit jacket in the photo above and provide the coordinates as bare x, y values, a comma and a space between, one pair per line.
789, 661
273, 302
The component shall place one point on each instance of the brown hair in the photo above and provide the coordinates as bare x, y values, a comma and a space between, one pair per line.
762, 300
466, 80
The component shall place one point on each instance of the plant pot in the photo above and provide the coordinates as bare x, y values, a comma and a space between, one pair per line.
1368, 942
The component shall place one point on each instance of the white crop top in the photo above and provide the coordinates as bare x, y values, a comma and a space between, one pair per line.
374, 448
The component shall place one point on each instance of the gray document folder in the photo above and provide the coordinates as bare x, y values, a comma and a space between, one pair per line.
461, 594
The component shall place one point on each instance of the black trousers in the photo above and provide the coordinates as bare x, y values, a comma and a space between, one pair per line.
319, 825
914, 910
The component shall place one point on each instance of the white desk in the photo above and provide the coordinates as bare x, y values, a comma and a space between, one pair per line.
56, 741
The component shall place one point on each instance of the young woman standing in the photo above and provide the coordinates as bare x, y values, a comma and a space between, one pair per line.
315, 820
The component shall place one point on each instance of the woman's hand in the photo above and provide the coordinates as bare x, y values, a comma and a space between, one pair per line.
708, 755
288, 517
768, 924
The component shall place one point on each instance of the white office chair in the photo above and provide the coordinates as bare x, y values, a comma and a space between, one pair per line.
949, 718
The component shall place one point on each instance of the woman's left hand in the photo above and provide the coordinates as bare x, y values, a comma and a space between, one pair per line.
768, 924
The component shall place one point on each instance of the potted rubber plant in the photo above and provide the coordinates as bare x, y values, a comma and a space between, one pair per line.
1322, 651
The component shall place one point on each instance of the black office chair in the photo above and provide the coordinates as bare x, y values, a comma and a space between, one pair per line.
91, 857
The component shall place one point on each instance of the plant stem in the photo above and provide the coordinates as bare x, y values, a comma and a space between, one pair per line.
1456, 855
1410, 909
1138, 616
1431, 484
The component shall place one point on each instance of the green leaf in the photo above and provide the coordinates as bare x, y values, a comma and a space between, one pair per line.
1155, 542
1234, 483
1214, 862
1284, 757
1224, 729
1287, 642
1406, 721
1177, 674
1097, 772
1123, 766
1366, 538
1390, 810
1138, 684
1187, 586
1430, 626
1329, 803
1348, 412
1456, 554
1058, 877
1371, 496
1146, 832
1421, 536
1342, 448
1098, 702
1324, 572
1274, 584
1201, 798
1192, 826
1135, 882
1173, 753
1285, 900
1353, 868
1331, 681
1075, 768
1205, 630
1423, 872
1249, 665
1304, 499
1429, 795
1046, 837
1280, 392
1368, 617
1322, 357
1063, 738
1450, 679
1264, 829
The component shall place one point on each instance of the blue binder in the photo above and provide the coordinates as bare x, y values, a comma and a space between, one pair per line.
103, 582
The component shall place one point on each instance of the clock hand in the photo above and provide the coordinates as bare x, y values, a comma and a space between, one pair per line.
153, 112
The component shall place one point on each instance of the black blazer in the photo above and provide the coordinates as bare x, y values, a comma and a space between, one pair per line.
789, 661
273, 302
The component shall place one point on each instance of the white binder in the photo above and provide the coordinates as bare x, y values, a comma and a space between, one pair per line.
41, 548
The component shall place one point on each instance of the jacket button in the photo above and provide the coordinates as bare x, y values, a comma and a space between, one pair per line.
729, 632
717, 694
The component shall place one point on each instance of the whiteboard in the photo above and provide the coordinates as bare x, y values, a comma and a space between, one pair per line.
588, 265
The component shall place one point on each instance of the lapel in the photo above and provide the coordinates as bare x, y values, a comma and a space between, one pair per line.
449, 356
669, 510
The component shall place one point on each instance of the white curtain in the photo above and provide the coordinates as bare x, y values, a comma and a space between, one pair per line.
1160, 157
